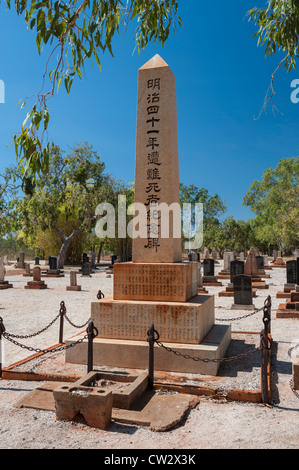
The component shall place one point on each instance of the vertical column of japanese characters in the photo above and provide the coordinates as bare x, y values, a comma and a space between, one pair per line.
153, 159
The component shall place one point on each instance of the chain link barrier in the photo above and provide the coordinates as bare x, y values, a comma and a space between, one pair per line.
243, 316
197, 359
266, 308
62, 313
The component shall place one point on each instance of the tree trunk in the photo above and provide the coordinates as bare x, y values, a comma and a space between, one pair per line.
99, 252
66, 241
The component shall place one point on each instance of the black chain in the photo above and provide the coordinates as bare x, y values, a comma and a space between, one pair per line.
43, 351
194, 358
76, 326
240, 318
33, 334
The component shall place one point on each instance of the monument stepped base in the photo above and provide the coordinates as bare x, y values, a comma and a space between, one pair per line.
176, 322
135, 354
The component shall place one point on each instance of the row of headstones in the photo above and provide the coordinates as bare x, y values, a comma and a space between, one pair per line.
243, 255
235, 266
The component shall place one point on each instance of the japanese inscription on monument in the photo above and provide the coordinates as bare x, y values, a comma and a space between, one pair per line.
156, 170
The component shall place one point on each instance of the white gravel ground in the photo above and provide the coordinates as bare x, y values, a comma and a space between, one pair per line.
213, 424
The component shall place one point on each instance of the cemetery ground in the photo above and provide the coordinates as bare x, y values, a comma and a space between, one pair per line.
212, 423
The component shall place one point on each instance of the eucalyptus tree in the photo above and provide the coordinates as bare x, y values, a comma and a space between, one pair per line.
72, 33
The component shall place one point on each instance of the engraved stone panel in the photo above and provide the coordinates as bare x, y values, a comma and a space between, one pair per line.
176, 322
175, 282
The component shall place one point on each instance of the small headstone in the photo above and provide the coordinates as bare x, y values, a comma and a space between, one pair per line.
53, 263
291, 271
192, 256
242, 292
3, 284
260, 262
53, 271
266, 260
251, 266
297, 271
37, 283
296, 253
208, 267
5, 259
228, 256
73, 282
236, 268
275, 254
22, 261
206, 253
85, 270
36, 274
241, 256
36, 261
85, 258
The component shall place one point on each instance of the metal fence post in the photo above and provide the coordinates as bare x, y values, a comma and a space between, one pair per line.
62, 312
92, 332
151, 341
2, 330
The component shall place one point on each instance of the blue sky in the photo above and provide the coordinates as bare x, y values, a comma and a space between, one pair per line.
221, 77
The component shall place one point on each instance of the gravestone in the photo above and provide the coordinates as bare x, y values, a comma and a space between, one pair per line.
242, 293
242, 256
208, 268
291, 274
5, 259
27, 270
267, 266
296, 253
297, 271
275, 254
291, 271
228, 256
85, 258
278, 262
86, 269
157, 287
73, 282
236, 268
206, 253
53, 270
260, 262
36, 261
3, 284
36, 283
201, 288
251, 266
192, 256
21, 262
53, 263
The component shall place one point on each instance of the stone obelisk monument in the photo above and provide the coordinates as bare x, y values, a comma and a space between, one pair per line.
157, 287
156, 165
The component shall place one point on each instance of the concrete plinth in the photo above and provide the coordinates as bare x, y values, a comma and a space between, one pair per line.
173, 282
135, 354
176, 322
36, 285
